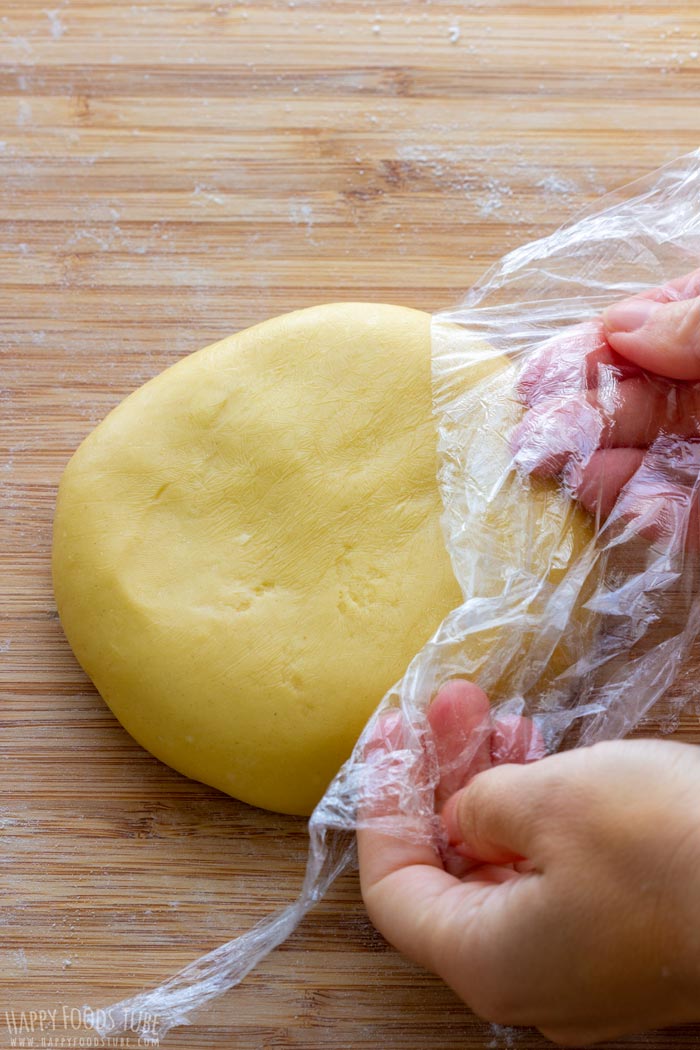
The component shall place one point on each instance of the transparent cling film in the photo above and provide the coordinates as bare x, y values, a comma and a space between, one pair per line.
579, 619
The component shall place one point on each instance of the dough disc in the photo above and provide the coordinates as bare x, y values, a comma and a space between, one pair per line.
248, 551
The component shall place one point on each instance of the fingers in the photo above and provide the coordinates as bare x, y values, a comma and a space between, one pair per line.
685, 287
382, 855
467, 741
401, 875
639, 410
633, 414
390, 760
591, 404
655, 491
382, 757
553, 431
660, 331
577, 359
598, 483
496, 816
460, 718
663, 338
400, 882
661, 511
407, 890
516, 739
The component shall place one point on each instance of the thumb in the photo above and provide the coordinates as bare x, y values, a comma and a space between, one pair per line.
660, 337
497, 817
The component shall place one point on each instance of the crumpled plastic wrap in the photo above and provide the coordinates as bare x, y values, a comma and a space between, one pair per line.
580, 623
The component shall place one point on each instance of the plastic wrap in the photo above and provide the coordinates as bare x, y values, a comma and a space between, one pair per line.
579, 623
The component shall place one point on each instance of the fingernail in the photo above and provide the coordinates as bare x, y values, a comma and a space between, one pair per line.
630, 315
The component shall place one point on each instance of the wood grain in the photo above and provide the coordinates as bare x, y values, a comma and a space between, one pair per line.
172, 172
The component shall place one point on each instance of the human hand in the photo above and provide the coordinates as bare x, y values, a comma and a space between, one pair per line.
614, 407
579, 913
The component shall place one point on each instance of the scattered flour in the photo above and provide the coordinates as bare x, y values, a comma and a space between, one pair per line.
452, 168
492, 200
504, 1037
56, 25
495, 179
554, 183
202, 193
20, 43
24, 113
301, 212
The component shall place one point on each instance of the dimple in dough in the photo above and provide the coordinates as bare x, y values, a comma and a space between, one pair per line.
248, 550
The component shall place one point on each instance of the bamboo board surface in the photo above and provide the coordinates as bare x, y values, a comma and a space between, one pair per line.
172, 172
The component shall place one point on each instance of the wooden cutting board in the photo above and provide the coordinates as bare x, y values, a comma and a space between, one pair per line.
172, 172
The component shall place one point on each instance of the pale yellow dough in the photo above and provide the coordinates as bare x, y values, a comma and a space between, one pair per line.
248, 550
